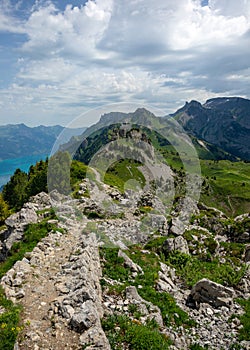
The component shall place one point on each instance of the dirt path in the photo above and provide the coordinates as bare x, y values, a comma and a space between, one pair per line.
42, 330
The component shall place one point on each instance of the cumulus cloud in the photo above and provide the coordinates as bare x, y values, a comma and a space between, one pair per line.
103, 51
8, 22
231, 8
75, 31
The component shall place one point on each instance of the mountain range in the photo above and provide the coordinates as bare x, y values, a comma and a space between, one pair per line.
223, 121
19, 140
219, 129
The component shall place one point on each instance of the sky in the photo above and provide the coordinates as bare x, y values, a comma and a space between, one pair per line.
61, 58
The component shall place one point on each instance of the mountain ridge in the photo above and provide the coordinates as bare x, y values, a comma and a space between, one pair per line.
18, 140
143, 117
222, 121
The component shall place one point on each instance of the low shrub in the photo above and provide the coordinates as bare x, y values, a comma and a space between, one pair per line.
192, 269
122, 332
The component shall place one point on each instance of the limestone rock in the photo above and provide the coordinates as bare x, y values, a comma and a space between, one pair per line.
147, 199
129, 263
215, 294
184, 208
165, 284
176, 244
244, 284
143, 306
158, 222
166, 278
42, 200
94, 338
85, 318
17, 222
177, 227
24, 216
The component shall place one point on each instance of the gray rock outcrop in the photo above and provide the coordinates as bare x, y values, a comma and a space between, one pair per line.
59, 281
81, 296
144, 307
215, 294
130, 264
166, 279
176, 244
16, 223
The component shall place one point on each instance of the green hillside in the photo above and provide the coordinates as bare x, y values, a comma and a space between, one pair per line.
226, 183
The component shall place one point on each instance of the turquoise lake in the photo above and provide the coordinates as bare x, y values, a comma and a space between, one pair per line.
8, 166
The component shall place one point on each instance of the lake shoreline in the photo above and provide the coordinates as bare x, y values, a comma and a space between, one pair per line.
8, 166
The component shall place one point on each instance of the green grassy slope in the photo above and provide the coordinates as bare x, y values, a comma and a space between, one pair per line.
227, 186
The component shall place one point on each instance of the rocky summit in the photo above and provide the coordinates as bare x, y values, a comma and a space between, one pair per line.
124, 276
222, 121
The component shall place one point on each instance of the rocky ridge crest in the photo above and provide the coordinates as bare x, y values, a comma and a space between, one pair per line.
59, 282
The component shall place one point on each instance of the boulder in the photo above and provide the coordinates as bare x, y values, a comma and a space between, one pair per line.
42, 200
129, 263
158, 222
77, 322
165, 284
176, 244
94, 339
215, 294
16, 224
166, 278
66, 311
144, 307
185, 207
244, 284
85, 318
177, 227
23, 217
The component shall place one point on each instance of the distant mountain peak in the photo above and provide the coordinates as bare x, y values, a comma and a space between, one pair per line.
142, 110
226, 99
20, 140
188, 109
194, 103
222, 121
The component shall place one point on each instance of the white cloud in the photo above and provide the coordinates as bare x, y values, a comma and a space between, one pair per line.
9, 23
55, 70
195, 26
231, 8
162, 53
75, 31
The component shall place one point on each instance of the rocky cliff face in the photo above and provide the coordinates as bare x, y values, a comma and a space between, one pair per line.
16, 223
113, 280
224, 122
